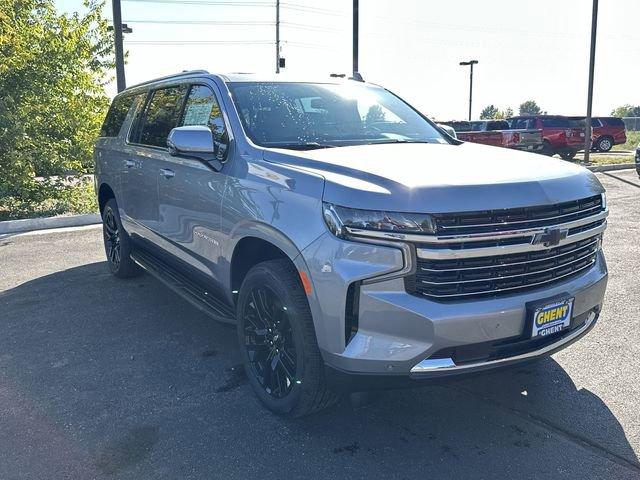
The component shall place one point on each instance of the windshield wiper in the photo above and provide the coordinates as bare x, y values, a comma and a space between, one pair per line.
399, 140
300, 146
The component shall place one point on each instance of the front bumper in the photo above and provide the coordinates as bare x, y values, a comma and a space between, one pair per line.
402, 336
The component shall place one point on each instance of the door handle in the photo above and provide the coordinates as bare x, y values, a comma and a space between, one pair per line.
167, 173
129, 163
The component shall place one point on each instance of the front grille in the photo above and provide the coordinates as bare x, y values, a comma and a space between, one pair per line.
464, 278
516, 218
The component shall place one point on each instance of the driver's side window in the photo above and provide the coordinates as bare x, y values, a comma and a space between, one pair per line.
202, 108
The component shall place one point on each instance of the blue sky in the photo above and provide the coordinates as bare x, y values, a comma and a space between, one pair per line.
527, 49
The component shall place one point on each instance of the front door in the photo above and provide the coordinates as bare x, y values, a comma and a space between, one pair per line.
191, 192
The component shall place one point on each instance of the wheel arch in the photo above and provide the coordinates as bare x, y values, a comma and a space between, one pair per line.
105, 193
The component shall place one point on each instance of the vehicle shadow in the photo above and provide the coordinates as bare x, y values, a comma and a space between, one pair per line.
104, 377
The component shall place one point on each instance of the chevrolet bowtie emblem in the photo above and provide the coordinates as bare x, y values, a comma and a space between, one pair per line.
550, 237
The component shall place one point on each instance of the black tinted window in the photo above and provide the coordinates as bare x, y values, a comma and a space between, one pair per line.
498, 125
202, 108
614, 122
556, 122
116, 115
162, 114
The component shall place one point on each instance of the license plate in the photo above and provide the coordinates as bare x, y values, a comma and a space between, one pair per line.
552, 318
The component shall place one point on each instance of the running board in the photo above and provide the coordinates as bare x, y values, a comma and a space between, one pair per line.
193, 293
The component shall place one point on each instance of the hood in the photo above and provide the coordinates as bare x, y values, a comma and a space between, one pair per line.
440, 178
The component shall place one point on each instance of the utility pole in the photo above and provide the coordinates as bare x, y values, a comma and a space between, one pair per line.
117, 34
471, 63
277, 36
592, 61
355, 36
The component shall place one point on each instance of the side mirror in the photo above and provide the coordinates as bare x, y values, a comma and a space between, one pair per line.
196, 141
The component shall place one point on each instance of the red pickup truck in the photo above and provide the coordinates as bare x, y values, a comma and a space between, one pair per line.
498, 134
606, 132
559, 134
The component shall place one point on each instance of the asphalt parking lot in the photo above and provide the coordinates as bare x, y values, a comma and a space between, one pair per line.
103, 378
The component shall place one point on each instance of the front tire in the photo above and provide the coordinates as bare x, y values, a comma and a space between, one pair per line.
117, 244
278, 342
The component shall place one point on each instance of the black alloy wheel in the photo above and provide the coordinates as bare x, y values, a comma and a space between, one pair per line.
112, 239
278, 343
269, 342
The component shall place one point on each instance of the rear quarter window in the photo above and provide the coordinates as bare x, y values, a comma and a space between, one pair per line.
614, 122
116, 115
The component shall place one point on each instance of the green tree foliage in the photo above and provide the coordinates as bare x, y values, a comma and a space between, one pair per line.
491, 112
626, 111
53, 69
530, 107
375, 114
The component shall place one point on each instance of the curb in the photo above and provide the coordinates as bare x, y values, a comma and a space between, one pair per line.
29, 224
606, 168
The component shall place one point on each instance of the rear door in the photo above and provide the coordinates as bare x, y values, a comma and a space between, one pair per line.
191, 192
147, 152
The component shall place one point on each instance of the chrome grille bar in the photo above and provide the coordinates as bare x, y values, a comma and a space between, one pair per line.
511, 288
506, 277
499, 265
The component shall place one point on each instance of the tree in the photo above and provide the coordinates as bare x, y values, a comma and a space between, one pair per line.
375, 114
52, 100
530, 107
489, 112
626, 111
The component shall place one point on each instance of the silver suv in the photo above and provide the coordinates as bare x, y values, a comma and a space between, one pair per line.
352, 242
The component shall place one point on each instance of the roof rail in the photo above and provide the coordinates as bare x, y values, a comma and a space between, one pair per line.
184, 73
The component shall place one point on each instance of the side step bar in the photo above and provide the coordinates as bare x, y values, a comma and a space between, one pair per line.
198, 296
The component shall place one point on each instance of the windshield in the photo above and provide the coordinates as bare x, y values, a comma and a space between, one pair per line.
310, 115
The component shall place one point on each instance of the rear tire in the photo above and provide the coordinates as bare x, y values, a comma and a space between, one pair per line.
278, 342
117, 244
568, 154
604, 144
547, 149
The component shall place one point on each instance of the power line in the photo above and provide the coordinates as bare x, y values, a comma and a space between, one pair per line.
307, 9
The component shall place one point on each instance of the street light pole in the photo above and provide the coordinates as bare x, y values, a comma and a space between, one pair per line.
277, 36
592, 61
470, 63
356, 13
117, 35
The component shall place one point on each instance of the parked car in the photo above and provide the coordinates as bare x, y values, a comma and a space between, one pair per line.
638, 160
497, 133
606, 132
559, 136
352, 244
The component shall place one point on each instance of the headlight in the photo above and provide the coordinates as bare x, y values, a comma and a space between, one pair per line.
342, 221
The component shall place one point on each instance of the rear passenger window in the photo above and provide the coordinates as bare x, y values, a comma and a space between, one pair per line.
202, 108
615, 122
556, 122
116, 115
162, 115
